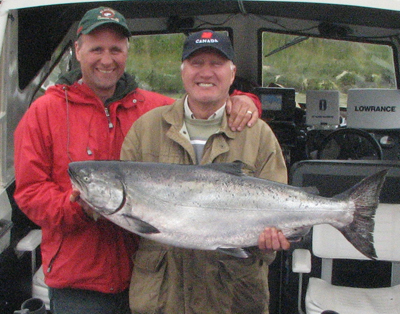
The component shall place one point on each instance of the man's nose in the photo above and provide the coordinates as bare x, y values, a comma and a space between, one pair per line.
107, 58
206, 70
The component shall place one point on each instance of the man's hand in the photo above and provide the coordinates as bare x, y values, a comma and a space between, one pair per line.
241, 111
89, 211
272, 239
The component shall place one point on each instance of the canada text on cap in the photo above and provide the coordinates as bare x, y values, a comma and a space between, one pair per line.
100, 16
208, 39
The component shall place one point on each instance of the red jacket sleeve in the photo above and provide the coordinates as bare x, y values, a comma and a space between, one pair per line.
44, 201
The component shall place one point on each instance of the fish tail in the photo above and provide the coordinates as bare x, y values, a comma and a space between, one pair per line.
365, 196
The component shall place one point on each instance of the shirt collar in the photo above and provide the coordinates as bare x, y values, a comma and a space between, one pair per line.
189, 114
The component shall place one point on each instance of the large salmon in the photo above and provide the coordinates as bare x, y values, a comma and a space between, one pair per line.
217, 207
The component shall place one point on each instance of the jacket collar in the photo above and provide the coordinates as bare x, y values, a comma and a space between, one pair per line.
125, 85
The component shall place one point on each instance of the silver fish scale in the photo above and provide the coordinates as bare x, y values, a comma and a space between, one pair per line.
189, 202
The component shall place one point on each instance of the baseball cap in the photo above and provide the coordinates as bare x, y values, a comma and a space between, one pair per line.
100, 16
209, 39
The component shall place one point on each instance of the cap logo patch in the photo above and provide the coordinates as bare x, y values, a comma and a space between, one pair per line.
107, 14
206, 37
208, 41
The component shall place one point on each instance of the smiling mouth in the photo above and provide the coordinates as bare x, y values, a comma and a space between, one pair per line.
205, 84
105, 71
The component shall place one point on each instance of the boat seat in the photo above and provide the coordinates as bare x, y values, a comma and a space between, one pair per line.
30, 243
329, 244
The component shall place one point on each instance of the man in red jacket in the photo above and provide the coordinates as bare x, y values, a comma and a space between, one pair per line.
87, 262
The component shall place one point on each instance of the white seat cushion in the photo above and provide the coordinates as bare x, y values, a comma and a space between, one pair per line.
323, 296
39, 288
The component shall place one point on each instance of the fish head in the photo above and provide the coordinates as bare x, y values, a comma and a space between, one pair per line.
100, 185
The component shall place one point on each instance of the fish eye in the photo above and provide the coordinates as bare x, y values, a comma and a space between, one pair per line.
86, 179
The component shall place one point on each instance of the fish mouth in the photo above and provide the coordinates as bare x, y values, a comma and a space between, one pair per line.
77, 182
74, 178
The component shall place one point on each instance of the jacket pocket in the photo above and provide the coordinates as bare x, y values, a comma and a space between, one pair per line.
232, 268
147, 277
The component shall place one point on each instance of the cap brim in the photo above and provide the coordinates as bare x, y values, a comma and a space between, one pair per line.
124, 30
189, 53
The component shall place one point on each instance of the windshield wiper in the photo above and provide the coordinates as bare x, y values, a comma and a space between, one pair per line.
293, 42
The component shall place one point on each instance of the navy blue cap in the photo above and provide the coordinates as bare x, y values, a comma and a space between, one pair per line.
208, 39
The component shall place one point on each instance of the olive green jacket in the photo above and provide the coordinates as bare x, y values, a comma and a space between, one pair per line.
167, 279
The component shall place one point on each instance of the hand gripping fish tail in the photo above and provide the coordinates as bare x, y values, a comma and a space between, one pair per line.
365, 196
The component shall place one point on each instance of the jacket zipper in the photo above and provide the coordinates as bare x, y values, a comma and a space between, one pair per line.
54, 257
110, 124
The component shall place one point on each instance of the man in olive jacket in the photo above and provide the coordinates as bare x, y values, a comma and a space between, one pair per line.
194, 130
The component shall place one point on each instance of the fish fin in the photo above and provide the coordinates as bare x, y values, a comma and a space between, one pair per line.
295, 239
236, 252
365, 196
141, 226
234, 168
311, 190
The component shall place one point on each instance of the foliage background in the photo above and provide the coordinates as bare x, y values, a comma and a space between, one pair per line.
313, 64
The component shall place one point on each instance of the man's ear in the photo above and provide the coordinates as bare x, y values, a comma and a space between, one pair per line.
233, 67
77, 49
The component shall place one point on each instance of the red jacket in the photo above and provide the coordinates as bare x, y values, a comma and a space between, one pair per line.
77, 252
69, 123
